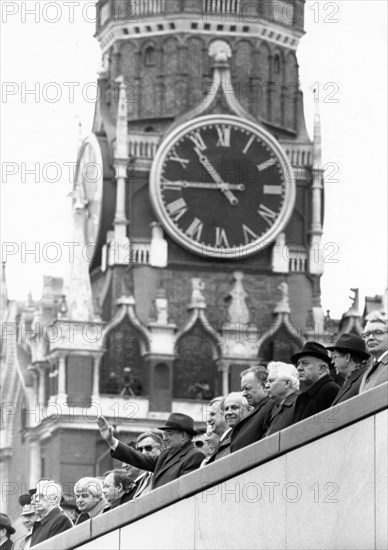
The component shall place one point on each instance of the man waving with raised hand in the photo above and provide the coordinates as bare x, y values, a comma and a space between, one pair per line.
179, 457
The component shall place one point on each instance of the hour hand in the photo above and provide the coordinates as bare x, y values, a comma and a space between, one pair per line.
224, 187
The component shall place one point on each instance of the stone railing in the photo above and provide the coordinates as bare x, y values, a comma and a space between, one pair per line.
297, 261
300, 155
149, 7
126, 10
140, 253
220, 7
143, 145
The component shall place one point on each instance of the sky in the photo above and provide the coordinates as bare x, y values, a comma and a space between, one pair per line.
49, 62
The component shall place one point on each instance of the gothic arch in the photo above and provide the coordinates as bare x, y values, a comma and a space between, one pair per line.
195, 366
281, 341
123, 345
126, 341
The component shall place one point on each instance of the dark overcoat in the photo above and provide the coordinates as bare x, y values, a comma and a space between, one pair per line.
55, 522
167, 466
281, 415
351, 386
223, 448
316, 398
251, 428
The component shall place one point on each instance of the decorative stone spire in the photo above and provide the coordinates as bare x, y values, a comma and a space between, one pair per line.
354, 308
220, 51
161, 307
63, 309
351, 320
317, 146
120, 222
30, 301
197, 298
316, 230
78, 288
3, 292
238, 311
158, 247
283, 306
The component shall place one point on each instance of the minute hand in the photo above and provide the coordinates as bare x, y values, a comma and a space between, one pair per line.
224, 187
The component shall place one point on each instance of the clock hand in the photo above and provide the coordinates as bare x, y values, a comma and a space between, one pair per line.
224, 187
200, 185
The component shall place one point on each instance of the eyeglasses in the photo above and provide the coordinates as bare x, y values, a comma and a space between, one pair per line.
374, 333
147, 448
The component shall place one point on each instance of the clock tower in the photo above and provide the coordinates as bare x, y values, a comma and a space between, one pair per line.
203, 197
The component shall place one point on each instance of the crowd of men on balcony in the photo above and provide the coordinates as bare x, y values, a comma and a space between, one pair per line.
271, 399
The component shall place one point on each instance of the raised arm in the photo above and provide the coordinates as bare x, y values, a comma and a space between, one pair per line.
106, 432
123, 452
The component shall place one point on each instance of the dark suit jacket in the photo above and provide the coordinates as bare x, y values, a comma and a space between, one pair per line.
281, 415
223, 449
252, 427
127, 497
167, 466
350, 387
55, 522
317, 398
7, 545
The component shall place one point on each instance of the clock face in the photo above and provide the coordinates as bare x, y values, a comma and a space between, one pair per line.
222, 186
89, 182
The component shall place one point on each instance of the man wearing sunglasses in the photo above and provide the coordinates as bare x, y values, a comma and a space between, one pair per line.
375, 336
179, 457
149, 444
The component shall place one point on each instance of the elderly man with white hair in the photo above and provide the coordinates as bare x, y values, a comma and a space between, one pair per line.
46, 499
282, 386
235, 408
90, 498
375, 336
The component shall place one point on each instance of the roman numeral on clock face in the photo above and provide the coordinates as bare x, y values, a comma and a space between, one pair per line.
195, 229
249, 235
175, 158
196, 138
267, 214
221, 238
223, 136
177, 209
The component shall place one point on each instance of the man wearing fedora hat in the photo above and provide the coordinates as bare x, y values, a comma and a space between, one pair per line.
350, 360
318, 388
179, 457
6, 530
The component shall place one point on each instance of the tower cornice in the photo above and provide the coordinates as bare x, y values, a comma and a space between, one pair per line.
189, 24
